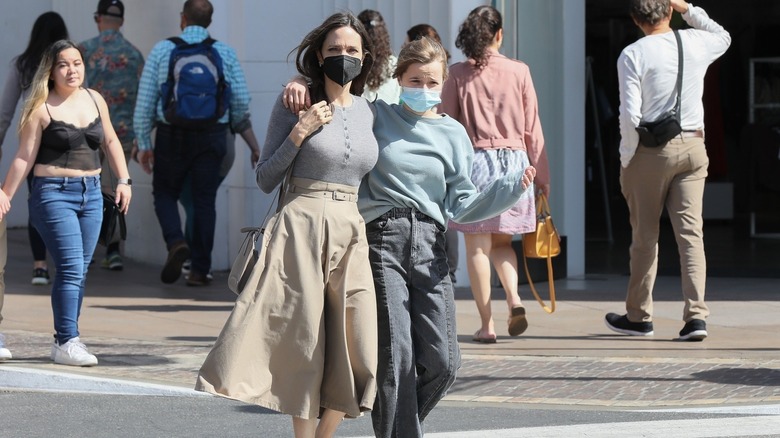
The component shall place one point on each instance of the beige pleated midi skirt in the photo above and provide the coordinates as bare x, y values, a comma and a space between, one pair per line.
305, 338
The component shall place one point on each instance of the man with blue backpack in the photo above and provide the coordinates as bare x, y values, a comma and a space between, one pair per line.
193, 90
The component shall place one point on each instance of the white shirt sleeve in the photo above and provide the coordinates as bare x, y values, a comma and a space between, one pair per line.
630, 106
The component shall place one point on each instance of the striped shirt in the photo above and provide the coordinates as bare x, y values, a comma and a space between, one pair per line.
149, 106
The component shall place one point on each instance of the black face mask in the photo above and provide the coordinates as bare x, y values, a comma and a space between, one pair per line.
342, 69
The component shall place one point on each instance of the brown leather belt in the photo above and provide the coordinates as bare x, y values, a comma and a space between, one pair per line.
699, 133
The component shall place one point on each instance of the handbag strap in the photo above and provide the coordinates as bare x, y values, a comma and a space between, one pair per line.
281, 189
679, 75
543, 210
542, 206
550, 280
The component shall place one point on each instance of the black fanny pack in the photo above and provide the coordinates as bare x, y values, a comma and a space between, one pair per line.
658, 133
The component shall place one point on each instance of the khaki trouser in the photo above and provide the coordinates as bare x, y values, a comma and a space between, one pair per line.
672, 176
3, 260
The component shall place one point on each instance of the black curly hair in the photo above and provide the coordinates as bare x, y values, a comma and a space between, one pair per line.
477, 32
380, 38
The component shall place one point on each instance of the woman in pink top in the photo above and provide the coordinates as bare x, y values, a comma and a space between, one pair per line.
494, 98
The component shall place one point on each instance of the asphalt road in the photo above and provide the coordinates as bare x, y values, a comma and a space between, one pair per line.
32, 414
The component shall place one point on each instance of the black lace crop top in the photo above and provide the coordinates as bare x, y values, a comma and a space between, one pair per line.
71, 147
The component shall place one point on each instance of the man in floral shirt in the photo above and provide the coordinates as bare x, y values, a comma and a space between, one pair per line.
113, 68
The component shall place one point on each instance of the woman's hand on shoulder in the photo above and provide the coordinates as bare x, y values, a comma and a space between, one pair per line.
310, 121
296, 95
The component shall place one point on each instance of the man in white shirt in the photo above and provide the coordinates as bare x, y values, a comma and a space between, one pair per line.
673, 173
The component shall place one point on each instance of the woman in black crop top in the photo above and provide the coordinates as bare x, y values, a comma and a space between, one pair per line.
62, 128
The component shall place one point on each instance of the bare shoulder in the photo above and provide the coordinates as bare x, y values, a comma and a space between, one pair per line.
39, 119
96, 95
40, 115
98, 99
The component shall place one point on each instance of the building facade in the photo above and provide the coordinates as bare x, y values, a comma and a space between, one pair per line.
546, 34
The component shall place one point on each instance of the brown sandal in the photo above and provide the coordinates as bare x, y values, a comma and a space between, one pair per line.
480, 339
517, 322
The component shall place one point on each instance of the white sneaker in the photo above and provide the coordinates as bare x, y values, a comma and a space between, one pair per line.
185, 267
5, 353
73, 353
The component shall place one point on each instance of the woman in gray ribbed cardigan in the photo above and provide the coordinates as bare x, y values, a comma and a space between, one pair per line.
303, 341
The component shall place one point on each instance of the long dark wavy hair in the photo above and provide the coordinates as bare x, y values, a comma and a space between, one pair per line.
426, 30
380, 38
309, 66
477, 32
48, 28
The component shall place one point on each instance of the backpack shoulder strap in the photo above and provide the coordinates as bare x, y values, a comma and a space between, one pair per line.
177, 40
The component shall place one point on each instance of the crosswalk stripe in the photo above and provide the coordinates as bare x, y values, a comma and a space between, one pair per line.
695, 428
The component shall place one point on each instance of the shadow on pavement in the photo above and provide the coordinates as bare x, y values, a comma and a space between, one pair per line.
741, 376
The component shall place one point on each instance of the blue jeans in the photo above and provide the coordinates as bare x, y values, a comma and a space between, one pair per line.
36, 242
418, 346
67, 213
177, 153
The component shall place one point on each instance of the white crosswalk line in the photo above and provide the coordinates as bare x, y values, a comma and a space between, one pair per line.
697, 428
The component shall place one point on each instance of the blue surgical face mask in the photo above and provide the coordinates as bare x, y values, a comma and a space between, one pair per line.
420, 100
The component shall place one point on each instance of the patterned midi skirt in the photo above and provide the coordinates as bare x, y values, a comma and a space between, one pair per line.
489, 165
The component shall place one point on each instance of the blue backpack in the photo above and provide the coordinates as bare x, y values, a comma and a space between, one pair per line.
195, 94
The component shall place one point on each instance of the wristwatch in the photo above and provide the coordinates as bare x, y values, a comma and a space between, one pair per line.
125, 181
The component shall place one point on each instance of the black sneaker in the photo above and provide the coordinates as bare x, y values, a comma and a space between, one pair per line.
177, 255
40, 277
621, 324
695, 330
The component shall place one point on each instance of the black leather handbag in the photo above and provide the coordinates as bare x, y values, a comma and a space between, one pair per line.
112, 218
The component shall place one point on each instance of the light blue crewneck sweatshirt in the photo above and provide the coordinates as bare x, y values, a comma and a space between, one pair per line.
425, 164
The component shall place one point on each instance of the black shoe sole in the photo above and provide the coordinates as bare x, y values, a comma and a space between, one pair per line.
172, 269
627, 331
694, 336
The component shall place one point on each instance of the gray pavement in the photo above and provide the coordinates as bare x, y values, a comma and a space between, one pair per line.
153, 337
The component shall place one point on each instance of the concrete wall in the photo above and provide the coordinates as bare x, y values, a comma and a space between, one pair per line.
549, 37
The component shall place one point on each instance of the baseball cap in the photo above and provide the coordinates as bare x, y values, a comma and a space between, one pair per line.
114, 8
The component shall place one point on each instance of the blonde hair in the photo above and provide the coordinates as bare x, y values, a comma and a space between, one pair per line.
424, 51
42, 83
